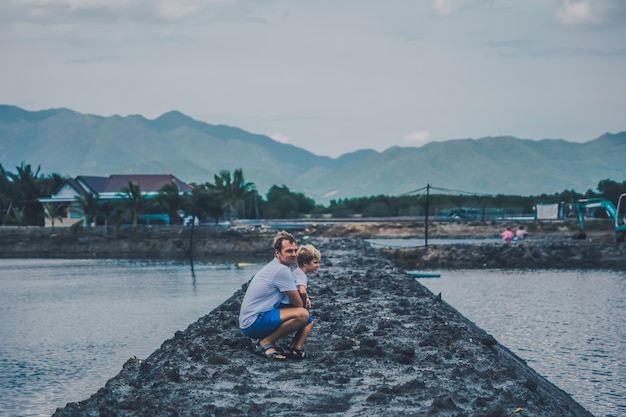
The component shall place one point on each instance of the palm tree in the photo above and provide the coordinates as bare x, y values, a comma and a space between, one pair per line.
214, 206
88, 207
6, 191
234, 190
241, 190
17, 213
7, 210
196, 205
204, 201
6, 195
171, 202
135, 202
54, 211
26, 193
49, 184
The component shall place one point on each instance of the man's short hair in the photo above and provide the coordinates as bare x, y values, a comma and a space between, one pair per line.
280, 236
308, 253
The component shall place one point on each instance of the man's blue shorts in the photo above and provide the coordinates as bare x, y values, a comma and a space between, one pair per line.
264, 324
285, 305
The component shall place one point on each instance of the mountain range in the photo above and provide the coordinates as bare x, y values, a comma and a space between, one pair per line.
70, 143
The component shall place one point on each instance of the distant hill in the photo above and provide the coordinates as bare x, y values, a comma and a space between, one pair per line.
70, 143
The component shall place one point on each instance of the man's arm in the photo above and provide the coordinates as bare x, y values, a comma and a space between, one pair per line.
294, 298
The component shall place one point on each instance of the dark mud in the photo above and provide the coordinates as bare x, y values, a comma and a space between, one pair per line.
174, 242
530, 254
383, 345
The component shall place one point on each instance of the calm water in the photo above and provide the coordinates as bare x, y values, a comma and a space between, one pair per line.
567, 325
67, 326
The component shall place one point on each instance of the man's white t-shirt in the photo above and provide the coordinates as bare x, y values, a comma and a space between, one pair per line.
265, 291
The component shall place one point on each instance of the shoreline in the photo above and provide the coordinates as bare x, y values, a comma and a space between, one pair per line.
548, 254
382, 345
550, 244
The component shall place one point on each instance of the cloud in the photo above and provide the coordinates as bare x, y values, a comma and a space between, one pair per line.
73, 3
48, 7
137, 10
418, 138
279, 137
573, 12
446, 7
175, 9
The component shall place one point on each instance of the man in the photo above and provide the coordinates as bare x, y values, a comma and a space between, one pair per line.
260, 318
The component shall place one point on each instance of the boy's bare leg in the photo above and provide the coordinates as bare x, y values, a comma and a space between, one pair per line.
300, 337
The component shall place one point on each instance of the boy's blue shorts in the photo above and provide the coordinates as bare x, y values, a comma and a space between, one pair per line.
264, 324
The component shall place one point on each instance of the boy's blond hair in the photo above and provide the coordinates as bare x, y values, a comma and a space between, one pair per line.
308, 253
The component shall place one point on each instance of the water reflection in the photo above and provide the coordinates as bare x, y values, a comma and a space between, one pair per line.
68, 325
568, 325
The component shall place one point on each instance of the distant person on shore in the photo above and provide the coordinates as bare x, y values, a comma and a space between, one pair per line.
308, 263
507, 235
520, 233
259, 316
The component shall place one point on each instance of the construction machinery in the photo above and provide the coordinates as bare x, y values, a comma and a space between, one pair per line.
616, 214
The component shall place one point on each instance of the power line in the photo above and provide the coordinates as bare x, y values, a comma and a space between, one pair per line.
411, 192
445, 190
459, 191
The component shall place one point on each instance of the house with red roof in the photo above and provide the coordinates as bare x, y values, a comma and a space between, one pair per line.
108, 189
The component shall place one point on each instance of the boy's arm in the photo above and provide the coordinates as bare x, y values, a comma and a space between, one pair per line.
305, 297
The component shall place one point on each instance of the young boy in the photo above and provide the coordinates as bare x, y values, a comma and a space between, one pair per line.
308, 263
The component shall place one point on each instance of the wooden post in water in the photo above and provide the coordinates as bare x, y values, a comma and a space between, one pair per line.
426, 217
193, 225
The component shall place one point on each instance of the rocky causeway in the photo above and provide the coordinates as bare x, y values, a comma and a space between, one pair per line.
383, 345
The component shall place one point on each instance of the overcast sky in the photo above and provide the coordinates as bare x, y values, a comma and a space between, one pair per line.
329, 76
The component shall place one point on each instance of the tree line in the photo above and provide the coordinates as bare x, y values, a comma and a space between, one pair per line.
230, 196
